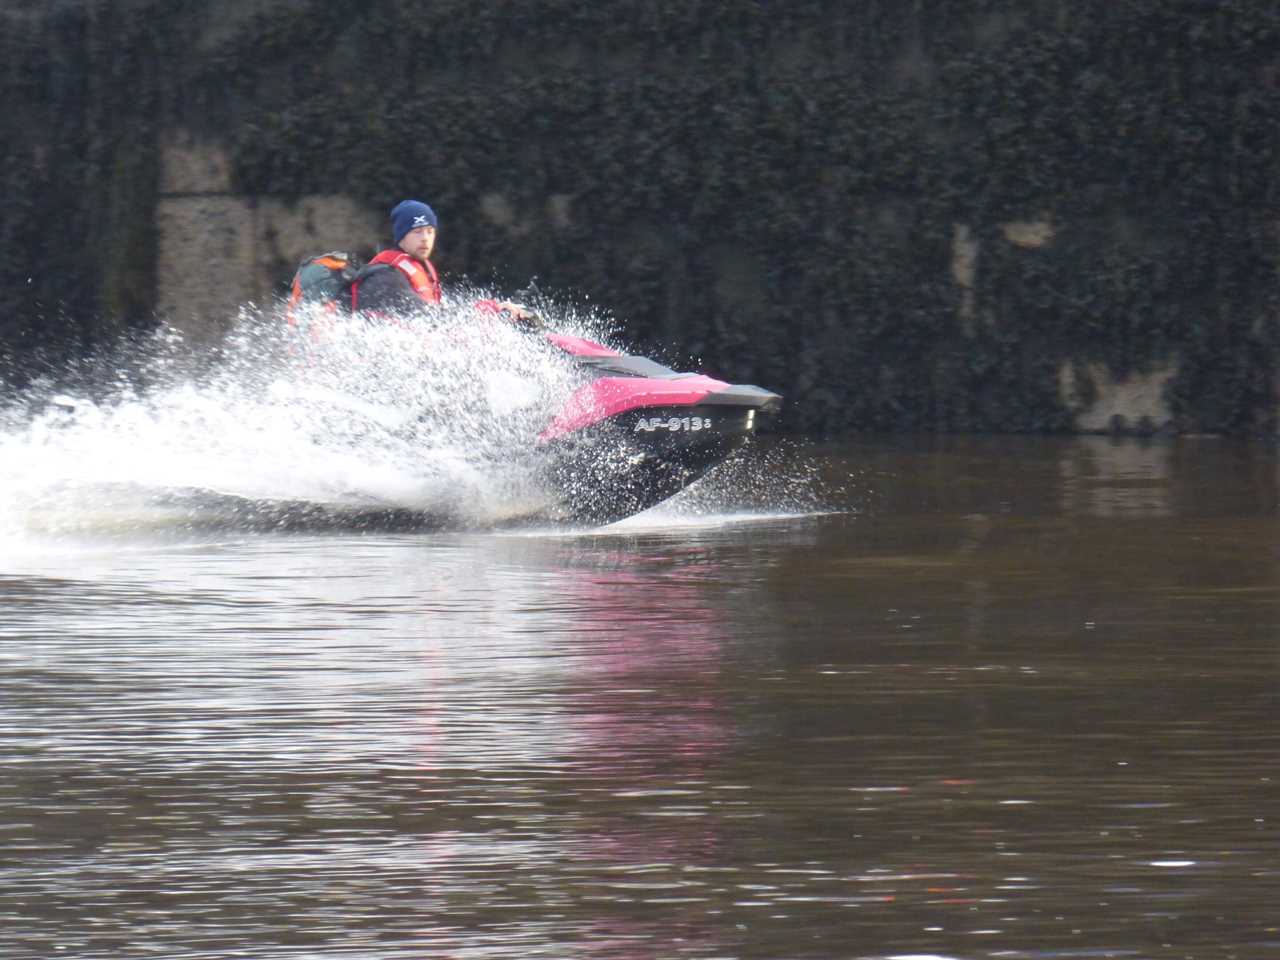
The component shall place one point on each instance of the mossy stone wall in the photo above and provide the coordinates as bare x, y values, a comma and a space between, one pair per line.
778, 188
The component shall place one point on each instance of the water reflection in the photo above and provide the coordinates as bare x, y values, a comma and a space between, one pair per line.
612, 765
1107, 477
493, 708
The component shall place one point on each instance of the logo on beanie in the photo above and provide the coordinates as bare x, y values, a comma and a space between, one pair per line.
422, 221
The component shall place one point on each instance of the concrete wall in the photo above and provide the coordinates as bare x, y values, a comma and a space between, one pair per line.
218, 250
1098, 401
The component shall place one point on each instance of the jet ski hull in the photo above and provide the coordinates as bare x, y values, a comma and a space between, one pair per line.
631, 461
636, 433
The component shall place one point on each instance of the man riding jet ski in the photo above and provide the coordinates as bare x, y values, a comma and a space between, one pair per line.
631, 435
396, 280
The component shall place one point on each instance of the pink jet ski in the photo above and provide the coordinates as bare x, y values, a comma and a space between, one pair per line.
636, 433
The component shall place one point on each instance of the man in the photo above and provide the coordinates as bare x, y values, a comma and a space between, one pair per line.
404, 278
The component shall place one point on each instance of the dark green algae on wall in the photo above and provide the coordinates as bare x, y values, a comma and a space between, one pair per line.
950, 215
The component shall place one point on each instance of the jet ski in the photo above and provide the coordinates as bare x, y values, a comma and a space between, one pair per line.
620, 434
635, 433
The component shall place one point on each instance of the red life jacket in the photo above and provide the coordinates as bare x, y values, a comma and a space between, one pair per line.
420, 274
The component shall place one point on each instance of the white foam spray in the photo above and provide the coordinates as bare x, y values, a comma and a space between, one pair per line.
426, 417
423, 414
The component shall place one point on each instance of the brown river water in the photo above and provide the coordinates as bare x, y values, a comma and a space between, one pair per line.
997, 698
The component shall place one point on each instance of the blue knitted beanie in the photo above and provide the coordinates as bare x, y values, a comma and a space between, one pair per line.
408, 214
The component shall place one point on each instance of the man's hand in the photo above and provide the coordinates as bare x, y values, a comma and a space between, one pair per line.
521, 316
517, 311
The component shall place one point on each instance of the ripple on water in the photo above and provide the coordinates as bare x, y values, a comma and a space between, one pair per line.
759, 739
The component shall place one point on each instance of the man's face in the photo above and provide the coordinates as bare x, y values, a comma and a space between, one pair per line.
419, 242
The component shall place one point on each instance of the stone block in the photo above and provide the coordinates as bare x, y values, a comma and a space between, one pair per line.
188, 165
1108, 404
205, 262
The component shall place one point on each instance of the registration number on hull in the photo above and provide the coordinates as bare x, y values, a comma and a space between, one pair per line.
672, 424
